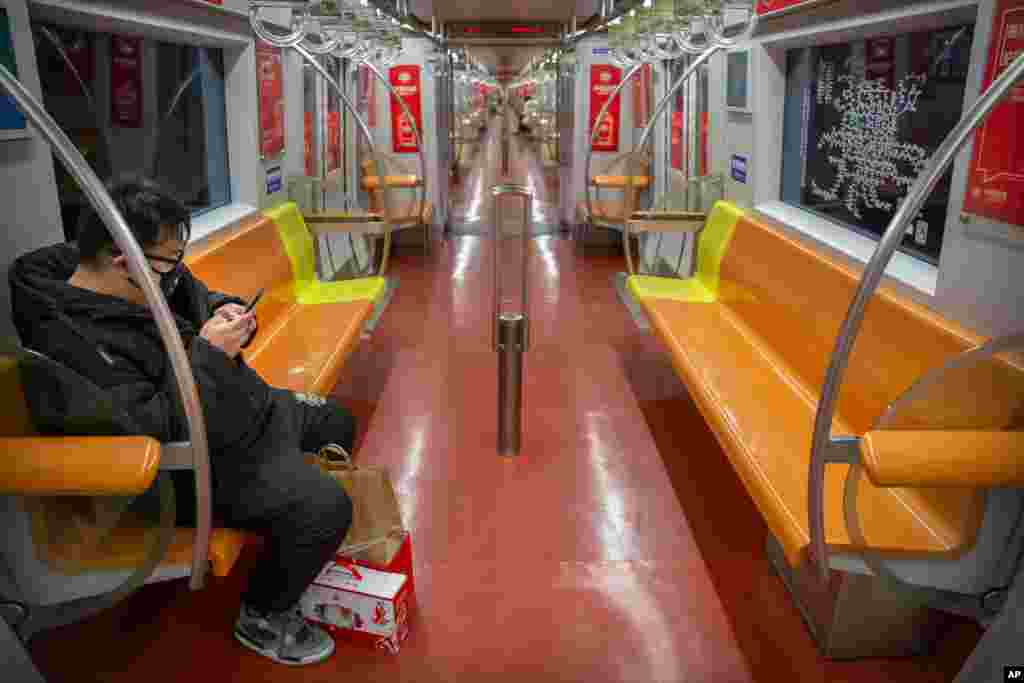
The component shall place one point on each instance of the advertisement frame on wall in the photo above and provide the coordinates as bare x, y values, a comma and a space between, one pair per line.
126, 96
774, 8
407, 82
604, 78
270, 87
995, 179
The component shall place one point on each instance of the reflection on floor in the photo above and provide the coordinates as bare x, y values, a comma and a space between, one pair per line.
619, 546
472, 207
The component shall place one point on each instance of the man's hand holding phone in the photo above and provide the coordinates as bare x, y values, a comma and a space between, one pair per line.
242, 317
228, 335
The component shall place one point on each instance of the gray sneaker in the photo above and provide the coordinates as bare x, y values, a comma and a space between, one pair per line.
285, 637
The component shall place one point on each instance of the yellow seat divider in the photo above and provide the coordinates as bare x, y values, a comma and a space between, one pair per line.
711, 248
298, 243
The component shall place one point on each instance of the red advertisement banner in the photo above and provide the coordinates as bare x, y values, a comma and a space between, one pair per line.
642, 96
603, 80
677, 140
307, 136
270, 83
79, 47
333, 141
880, 64
405, 80
769, 6
126, 82
995, 184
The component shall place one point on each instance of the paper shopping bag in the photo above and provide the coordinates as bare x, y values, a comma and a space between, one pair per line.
377, 531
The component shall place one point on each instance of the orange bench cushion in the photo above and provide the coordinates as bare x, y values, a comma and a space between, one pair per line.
298, 347
763, 416
756, 363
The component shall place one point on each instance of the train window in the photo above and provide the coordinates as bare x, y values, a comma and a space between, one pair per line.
134, 105
861, 121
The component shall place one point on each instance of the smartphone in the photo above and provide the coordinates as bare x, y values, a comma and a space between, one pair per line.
252, 304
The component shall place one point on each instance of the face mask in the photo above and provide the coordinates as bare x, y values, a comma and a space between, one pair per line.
169, 281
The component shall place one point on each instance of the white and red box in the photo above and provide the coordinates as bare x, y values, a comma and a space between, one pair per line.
364, 603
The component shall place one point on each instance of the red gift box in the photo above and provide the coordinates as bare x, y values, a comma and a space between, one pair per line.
365, 602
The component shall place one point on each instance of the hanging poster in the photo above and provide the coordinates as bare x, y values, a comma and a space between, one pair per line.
642, 96
677, 140
12, 123
307, 137
880, 61
995, 184
126, 81
603, 80
405, 80
78, 45
270, 83
705, 131
368, 96
771, 6
333, 141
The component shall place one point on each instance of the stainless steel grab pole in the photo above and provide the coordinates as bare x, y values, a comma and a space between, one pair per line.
873, 272
122, 235
510, 334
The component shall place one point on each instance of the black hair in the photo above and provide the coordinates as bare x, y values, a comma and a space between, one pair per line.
147, 207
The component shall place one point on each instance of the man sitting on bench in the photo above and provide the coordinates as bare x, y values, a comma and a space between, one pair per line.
81, 307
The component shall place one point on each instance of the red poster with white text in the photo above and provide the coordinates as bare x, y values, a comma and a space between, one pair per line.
333, 141
995, 185
769, 6
126, 82
270, 83
79, 49
604, 78
405, 80
307, 137
642, 96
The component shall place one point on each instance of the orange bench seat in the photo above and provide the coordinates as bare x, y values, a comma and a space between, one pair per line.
754, 352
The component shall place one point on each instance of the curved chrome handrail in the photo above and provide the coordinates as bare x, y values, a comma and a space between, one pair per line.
873, 273
101, 201
292, 39
363, 127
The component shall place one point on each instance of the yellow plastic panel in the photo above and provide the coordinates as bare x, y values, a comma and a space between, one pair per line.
297, 241
690, 290
362, 289
714, 241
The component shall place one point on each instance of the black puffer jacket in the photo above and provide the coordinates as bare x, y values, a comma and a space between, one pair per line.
116, 344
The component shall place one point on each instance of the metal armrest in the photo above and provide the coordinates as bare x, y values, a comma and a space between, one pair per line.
944, 458
78, 466
670, 215
335, 216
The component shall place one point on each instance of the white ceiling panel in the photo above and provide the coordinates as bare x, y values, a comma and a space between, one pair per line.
501, 10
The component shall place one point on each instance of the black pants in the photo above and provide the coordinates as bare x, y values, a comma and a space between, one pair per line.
302, 513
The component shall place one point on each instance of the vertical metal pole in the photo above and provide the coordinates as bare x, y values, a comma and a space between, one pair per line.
511, 331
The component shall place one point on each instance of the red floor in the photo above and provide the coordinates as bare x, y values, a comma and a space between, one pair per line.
619, 546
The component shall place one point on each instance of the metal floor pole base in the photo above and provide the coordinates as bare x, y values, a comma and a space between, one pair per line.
856, 616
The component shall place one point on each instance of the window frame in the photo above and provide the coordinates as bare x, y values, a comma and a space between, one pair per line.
199, 25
